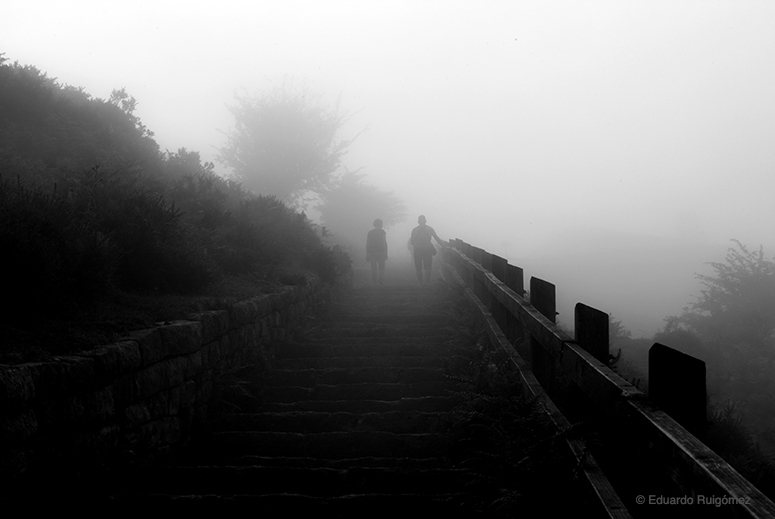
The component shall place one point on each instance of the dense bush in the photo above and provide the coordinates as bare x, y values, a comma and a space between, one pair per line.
48, 130
731, 327
88, 206
107, 233
53, 261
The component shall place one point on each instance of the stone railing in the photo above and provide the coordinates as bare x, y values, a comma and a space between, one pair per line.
139, 397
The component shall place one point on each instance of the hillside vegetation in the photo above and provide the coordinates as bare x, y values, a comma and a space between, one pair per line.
102, 232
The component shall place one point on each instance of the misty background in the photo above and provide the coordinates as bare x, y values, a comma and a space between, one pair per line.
610, 148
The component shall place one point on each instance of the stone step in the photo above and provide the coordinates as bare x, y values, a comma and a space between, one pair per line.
405, 314
423, 404
353, 423
310, 481
317, 421
401, 293
405, 293
342, 463
284, 505
392, 299
361, 347
385, 306
375, 330
355, 375
397, 310
415, 361
364, 391
337, 444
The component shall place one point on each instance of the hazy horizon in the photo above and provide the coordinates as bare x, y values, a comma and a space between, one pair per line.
610, 148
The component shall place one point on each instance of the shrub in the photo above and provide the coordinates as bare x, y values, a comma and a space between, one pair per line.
329, 262
58, 261
96, 214
159, 251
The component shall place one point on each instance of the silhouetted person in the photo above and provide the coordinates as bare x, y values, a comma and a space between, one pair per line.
424, 249
376, 251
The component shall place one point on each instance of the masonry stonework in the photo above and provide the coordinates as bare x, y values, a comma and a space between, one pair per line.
141, 396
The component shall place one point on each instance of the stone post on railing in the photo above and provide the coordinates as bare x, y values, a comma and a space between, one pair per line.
591, 330
542, 297
499, 313
677, 385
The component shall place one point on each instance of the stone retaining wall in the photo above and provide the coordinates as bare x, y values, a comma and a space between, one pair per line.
140, 396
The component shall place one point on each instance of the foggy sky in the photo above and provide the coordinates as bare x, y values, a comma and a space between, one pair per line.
608, 147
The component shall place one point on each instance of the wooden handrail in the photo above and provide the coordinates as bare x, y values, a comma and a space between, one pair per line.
692, 467
609, 501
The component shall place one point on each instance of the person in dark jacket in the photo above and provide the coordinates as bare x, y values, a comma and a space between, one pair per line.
377, 251
423, 249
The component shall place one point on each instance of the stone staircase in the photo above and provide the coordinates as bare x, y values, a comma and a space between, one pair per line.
350, 422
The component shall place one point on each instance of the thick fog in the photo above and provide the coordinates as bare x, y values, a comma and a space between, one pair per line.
612, 148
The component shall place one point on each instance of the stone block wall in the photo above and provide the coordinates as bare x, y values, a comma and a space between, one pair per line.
141, 396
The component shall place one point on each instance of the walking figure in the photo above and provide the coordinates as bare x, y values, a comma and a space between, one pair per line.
376, 251
424, 249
